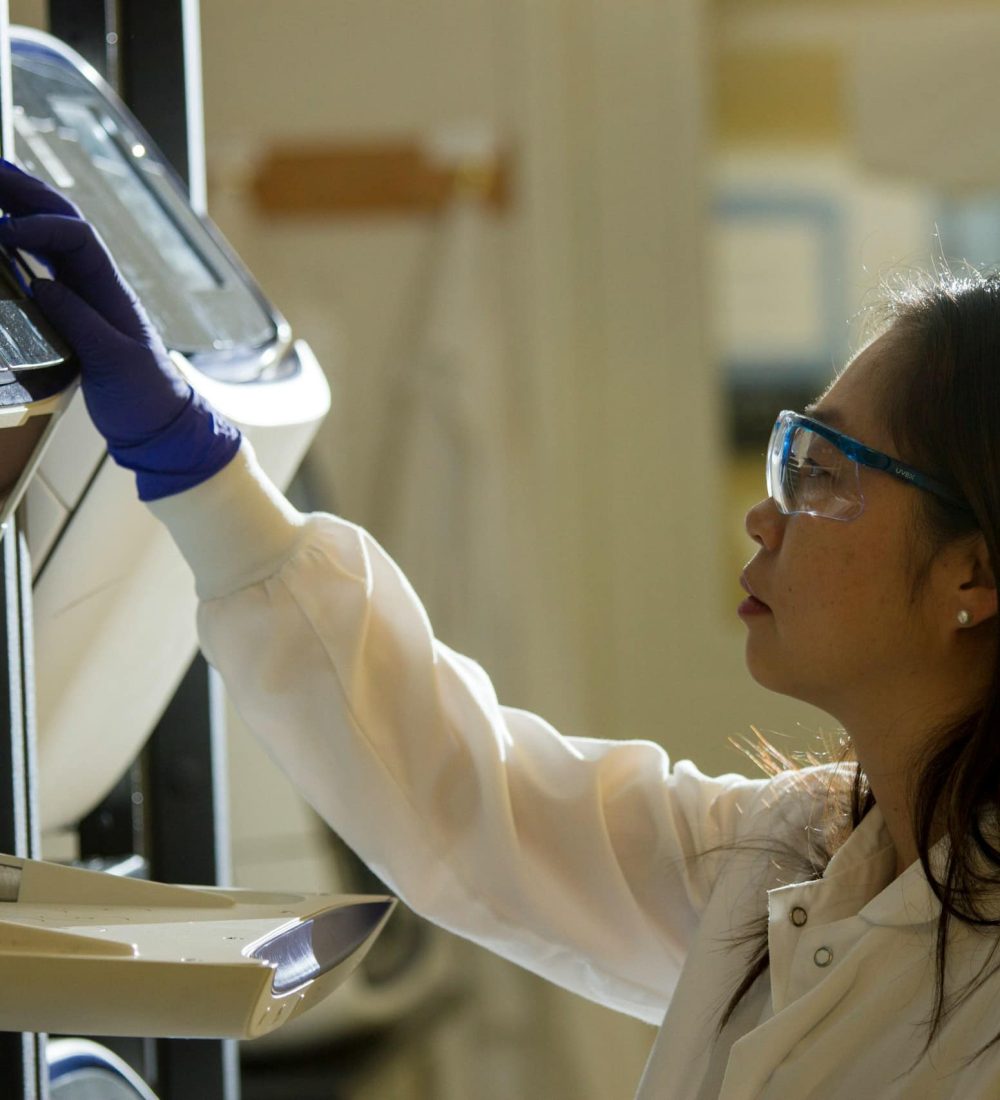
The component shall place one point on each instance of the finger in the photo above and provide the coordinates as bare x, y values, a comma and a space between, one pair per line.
132, 390
78, 258
87, 332
21, 193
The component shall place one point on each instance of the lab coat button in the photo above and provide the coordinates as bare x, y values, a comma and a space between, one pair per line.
798, 916
823, 956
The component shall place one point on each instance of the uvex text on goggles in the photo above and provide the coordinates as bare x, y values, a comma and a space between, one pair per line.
814, 470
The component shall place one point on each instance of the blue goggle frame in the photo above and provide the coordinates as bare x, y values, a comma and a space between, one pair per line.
856, 451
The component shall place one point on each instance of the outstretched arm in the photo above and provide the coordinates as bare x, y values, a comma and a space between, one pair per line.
574, 857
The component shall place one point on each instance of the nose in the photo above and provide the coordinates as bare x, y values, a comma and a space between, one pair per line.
765, 524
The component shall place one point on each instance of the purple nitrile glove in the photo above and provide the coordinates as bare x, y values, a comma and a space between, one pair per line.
154, 422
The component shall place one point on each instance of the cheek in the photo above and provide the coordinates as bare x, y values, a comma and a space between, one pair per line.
839, 609
843, 587
822, 580
844, 571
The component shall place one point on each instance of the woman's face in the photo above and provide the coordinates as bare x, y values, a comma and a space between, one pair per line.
841, 622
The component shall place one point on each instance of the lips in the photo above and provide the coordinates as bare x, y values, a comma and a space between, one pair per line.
745, 585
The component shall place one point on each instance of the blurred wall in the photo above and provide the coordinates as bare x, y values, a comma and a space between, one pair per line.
611, 405
598, 285
610, 408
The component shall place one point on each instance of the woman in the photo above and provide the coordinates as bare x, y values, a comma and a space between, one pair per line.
649, 887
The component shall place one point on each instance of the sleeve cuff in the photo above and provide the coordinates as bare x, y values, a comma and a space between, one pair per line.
234, 529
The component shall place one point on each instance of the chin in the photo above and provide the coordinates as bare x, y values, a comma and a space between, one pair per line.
781, 682
771, 674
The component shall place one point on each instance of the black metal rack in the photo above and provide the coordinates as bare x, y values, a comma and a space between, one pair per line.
169, 807
22, 1055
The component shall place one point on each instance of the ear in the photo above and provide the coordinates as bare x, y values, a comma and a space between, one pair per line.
977, 588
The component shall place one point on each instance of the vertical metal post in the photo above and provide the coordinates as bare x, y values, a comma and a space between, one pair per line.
187, 811
189, 842
23, 1068
158, 37
188, 838
91, 28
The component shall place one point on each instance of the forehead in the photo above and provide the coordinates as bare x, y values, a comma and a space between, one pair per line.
850, 403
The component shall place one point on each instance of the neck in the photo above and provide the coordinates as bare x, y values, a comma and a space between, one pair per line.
887, 745
896, 807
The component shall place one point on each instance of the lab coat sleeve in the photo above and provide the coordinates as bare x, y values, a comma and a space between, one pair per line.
573, 857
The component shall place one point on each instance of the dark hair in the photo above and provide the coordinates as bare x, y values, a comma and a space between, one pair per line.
939, 394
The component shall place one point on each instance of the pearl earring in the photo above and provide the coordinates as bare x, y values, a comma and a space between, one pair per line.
964, 618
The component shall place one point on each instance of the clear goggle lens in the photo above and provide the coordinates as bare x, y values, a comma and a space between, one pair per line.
807, 474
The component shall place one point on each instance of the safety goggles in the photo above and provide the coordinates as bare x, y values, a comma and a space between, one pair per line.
816, 471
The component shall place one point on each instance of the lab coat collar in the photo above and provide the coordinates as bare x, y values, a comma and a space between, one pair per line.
867, 853
909, 900
862, 871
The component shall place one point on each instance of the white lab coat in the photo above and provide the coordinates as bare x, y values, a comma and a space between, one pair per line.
570, 856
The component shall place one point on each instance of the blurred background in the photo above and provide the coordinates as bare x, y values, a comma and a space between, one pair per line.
563, 261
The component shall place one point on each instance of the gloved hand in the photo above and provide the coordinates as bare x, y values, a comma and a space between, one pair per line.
154, 422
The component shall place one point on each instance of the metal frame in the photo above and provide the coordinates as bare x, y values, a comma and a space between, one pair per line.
91, 28
188, 825
23, 1068
170, 807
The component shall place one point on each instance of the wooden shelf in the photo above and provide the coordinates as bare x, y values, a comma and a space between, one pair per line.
371, 179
